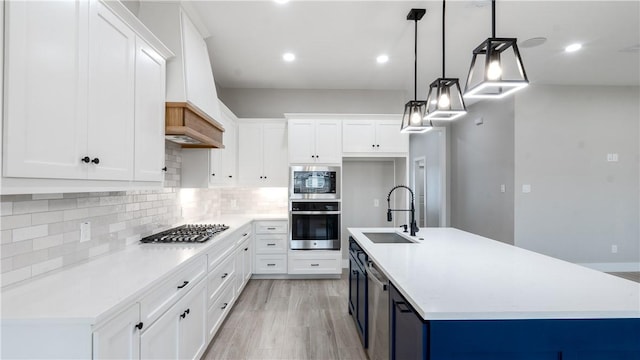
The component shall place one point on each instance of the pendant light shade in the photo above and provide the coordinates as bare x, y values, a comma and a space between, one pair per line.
414, 110
444, 101
496, 67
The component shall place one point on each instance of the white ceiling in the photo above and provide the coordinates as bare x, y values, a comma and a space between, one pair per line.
336, 42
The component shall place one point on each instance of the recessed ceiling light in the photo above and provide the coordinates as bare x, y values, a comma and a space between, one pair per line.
288, 57
573, 47
381, 59
281, 1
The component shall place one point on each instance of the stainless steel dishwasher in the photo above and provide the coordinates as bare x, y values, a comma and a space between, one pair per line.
378, 314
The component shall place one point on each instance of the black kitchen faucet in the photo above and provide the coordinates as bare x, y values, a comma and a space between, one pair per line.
413, 225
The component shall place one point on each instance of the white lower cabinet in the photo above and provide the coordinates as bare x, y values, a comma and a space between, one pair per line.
181, 332
244, 264
316, 262
219, 308
270, 247
119, 337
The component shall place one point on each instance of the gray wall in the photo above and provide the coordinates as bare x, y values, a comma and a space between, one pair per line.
482, 158
429, 146
273, 103
132, 5
579, 204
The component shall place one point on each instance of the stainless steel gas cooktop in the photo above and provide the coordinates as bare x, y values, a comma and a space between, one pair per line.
187, 234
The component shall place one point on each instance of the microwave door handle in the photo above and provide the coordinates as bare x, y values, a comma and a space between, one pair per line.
315, 212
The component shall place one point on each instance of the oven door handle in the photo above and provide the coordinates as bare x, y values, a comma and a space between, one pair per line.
315, 212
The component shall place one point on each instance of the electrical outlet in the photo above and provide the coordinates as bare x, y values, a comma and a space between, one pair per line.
376, 202
526, 188
85, 231
503, 188
614, 249
612, 157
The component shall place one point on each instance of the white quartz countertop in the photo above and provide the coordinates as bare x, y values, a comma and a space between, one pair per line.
455, 275
94, 290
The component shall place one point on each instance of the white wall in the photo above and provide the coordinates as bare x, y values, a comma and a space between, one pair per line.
481, 161
580, 204
273, 103
429, 146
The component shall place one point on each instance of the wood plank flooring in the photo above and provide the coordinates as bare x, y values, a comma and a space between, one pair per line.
289, 319
633, 276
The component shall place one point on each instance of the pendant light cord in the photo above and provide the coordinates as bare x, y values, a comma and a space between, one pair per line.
443, 10
493, 18
415, 62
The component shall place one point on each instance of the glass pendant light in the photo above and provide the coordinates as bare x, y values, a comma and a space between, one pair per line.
496, 68
414, 110
445, 101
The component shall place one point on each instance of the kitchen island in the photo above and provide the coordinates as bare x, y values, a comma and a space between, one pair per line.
464, 296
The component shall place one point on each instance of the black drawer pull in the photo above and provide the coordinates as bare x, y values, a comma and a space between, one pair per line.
271, 228
315, 264
164, 168
245, 249
225, 275
271, 264
245, 234
403, 307
271, 244
95, 161
224, 306
86, 159
184, 314
183, 285
139, 325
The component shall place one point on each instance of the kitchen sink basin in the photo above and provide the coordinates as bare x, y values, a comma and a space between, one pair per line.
387, 238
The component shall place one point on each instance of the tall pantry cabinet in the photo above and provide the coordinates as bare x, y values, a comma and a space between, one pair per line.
84, 93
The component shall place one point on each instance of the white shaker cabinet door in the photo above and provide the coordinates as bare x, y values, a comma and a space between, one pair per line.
160, 340
328, 141
358, 136
111, 96
118, 338
149, 113
192, 332
276, 169
302, 148
45, 89
250, 155
389, 137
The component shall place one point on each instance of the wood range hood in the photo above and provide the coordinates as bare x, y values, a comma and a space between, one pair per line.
191, 127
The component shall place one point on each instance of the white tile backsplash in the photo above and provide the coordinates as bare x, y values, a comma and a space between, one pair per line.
46, 237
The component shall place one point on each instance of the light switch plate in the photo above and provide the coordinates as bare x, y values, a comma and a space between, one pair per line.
85, 231
376, 202
526, 188
503, 188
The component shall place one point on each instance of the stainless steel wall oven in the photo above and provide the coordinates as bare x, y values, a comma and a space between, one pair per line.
314, 225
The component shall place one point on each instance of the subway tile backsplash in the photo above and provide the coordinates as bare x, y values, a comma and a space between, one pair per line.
40, 233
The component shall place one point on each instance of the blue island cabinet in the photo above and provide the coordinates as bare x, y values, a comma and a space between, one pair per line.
519, 339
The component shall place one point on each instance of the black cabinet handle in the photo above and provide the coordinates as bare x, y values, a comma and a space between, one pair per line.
230, 176
95, 161
271, 244
317, 156
139, 325
315, 264
245, 249
271, 264
213, 174
245, 234
373, 145
265, 177
403, 307
261, 177
164, 168
271, 228
183, 285
225, 275
224, 306
184, 314
378, 145
86, 159
313, 156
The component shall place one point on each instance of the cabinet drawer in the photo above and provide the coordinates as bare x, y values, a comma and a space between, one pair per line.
271, 264
315, 266
219, 308
271, 227
160, 298
221, 250
243, 234
271, 244
219, 277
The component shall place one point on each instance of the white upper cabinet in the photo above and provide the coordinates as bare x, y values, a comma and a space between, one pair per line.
111, 96
262, 153
380, 137
149, 113
315, 141
84, 97
45, 128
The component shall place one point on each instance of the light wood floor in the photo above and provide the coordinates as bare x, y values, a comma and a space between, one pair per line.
289, 319
633, 276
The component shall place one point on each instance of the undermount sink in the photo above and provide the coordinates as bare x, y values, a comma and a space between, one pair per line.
387, 238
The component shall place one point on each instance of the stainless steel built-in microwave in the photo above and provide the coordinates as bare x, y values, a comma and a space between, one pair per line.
314, 182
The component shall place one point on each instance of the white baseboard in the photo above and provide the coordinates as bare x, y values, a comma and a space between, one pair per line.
614, 267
